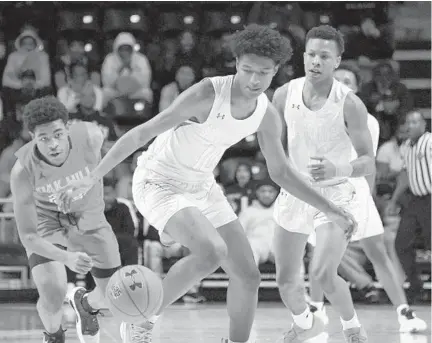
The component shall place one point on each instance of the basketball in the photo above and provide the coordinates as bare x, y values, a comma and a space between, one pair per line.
134, 293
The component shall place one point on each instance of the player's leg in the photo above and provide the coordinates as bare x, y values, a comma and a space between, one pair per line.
244, 281
51, 282
101, 245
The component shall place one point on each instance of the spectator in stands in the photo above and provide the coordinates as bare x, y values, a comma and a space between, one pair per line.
390, 156
371, 42
126, 72
120, 219
8, 158
80, 90
28, 59
258, 222
184, 78
225, 62
242, 191
386, 98
416, 204
188, 53
75, 54
165, 66
11, 126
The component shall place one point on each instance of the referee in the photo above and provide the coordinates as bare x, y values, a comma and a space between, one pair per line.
414, 182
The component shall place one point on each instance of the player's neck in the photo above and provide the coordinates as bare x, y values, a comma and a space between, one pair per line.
318, 88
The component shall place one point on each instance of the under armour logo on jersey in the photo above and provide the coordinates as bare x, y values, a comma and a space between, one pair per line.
220, 116
132, 276
296, 106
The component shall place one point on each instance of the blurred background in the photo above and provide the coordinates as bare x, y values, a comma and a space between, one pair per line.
118, 64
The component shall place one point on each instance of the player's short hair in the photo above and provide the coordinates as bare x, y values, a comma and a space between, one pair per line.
44, 110
353, 69
261, 41
327, 32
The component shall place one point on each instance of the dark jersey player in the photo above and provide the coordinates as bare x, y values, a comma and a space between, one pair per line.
82, 239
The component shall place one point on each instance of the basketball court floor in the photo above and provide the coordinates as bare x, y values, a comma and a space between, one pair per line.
208, 323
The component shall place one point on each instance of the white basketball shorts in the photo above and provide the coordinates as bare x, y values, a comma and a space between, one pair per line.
294, 215
158, 198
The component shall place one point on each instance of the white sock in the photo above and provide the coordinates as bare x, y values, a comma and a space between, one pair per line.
401, 308
304, 320
153, 319
318, 304
352, 323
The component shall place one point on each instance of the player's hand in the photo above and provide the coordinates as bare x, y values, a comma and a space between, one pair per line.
392, 208
79, 262
73, 192
321, 168
345, 221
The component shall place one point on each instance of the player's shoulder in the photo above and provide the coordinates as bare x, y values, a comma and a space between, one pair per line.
353, 104
25, 151
18, 173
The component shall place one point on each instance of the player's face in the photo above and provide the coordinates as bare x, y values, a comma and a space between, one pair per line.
321, 58
254, 74
266, 195
348, 78
52, 140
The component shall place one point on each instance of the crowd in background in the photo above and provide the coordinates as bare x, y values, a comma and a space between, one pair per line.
134, 81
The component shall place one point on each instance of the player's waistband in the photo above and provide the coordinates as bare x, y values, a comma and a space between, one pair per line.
323, 184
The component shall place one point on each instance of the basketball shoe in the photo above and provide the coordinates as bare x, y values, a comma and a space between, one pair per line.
131, 333
87, 324
355, 335
58, 337
409, 322
296, 334
320, 312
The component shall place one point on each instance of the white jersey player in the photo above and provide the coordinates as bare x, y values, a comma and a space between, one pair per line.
324, 120
371, 234
174, 187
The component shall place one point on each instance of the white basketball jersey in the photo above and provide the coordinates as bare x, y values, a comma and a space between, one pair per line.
319, 133
191, 151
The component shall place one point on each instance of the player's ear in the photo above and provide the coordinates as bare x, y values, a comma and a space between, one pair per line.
276, 69
32, 135
338, 62
237, 63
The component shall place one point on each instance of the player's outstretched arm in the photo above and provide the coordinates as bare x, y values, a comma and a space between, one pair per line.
26, 220
26, 216
356, 117
287, 177
192, 102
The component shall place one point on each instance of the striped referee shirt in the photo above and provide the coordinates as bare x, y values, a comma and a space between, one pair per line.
417, 162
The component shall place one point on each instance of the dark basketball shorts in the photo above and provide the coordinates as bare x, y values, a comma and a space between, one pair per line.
100, 244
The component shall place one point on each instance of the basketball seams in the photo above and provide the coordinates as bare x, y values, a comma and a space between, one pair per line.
130, 298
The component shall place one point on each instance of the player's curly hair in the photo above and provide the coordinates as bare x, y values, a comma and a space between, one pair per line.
261, 41
327, 32
44, 110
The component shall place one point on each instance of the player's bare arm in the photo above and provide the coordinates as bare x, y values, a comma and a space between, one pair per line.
26, 220
196, 102
279, 99
286, 177
356, 115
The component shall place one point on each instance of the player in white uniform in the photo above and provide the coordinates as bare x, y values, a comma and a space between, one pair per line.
174, 187
372, 239
324, 120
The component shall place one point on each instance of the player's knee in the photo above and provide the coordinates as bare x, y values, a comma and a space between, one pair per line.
250, 276
51, 295
287, 279
212, 253
326, 276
